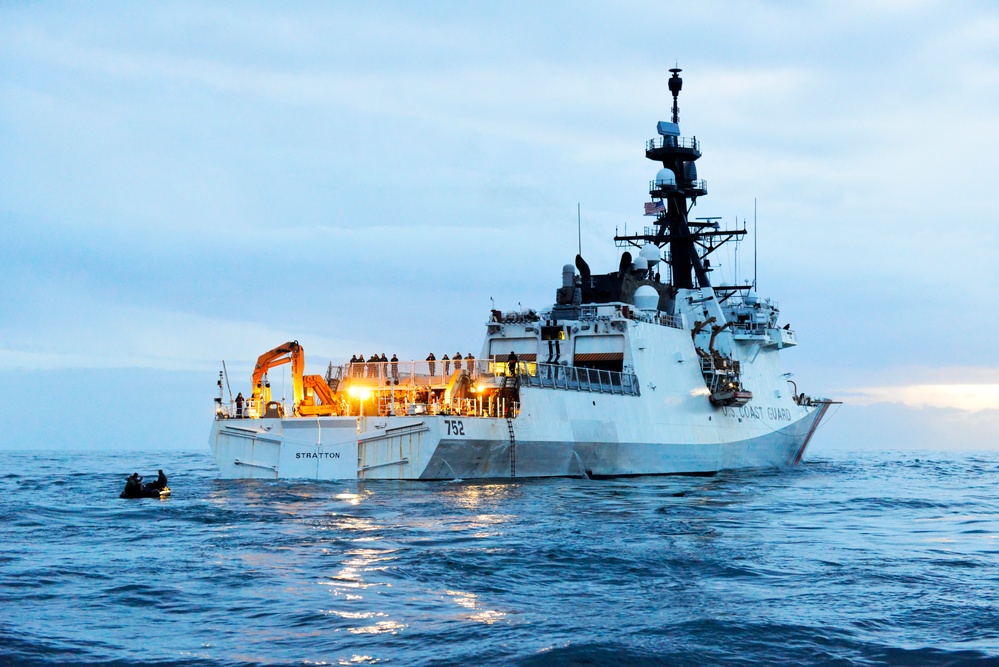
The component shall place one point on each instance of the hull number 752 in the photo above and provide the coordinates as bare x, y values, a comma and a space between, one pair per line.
455, 427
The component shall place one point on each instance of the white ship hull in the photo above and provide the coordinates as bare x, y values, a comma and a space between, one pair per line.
447, 447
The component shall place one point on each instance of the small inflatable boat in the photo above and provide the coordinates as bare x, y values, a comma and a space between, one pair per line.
147, 492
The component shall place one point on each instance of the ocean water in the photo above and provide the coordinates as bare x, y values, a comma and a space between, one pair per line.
849, 559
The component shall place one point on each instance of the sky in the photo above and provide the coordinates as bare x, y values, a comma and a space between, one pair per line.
186, 183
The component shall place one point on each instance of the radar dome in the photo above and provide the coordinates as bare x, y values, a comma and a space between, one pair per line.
640, 264
665, 177
646, 298
650, 253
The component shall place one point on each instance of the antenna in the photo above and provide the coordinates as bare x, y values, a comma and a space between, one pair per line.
675, 84
579, 229
754, 242
736, 253
227, 380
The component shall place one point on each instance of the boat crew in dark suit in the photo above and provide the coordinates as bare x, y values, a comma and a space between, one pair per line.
133, 487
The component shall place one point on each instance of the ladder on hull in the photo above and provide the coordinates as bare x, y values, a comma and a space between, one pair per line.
513, 448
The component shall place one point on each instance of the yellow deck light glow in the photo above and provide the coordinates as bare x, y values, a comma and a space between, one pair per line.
362, 393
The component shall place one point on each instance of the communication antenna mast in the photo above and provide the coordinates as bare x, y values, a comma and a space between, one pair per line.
579, 229
674, 192
675, 84
754, 242
226, 372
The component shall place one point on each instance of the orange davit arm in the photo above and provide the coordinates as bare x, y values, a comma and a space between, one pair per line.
328, 405
282, 354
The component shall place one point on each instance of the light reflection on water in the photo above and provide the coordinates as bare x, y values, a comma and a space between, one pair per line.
843, 557
471, 602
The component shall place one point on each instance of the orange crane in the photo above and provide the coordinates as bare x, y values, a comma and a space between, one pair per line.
290, 352
293, 353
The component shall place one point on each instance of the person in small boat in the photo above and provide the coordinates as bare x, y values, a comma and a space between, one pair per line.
158, 485
133, 487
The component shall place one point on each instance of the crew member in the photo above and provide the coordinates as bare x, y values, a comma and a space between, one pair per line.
383, 360
133, 487
447, 366
512, 363
431, 361
457, 361
469, 362
395, 367
239, 405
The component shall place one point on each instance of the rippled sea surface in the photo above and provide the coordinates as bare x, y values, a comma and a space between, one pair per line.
849, 559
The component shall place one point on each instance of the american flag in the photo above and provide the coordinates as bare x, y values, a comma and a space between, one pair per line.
654, 207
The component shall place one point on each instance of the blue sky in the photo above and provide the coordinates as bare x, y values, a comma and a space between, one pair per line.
182, 183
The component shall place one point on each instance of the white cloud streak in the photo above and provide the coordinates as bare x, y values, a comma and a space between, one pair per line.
963, 397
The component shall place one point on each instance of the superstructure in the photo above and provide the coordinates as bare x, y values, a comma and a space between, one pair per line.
649, 369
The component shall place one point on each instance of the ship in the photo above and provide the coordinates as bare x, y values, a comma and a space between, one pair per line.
646, 370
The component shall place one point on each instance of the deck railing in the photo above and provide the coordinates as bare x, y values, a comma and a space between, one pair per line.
423, 374
666, 186
396, 373
662, 319
573, 378
669, 142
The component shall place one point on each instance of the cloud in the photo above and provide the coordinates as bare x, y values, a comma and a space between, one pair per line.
894, 426
177, 179
960, 388
82, 329
964, 397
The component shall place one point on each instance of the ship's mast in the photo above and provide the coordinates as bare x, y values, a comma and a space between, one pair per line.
676, 183
675, 84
